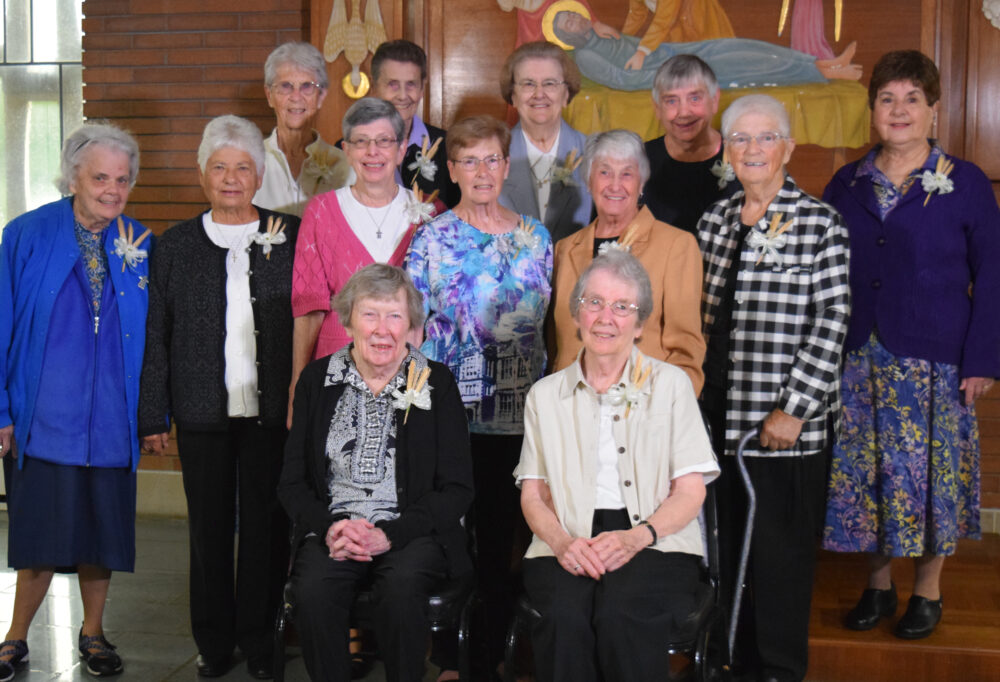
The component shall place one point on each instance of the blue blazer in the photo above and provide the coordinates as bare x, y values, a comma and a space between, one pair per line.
569, 205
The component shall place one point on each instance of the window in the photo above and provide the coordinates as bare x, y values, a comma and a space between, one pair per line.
41, 97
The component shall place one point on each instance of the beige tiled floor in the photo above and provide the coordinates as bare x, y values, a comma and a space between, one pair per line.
146, 617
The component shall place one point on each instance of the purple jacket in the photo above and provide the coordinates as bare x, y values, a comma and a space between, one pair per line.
910, 275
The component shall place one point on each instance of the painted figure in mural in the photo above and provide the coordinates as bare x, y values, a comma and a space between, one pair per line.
531, 13
737, 62
673, 21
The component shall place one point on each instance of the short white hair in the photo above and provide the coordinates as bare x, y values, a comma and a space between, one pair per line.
232, 131
620, 145
303, 56
94, 134
756, 104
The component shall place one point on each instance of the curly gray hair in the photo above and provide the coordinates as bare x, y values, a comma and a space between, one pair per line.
232, 131
300, 55
620, 145
623, 266
378, 281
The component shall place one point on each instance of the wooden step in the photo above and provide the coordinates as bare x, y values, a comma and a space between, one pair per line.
965, 647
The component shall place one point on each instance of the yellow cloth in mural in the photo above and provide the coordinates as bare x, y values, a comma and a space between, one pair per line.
677, 21
833, 114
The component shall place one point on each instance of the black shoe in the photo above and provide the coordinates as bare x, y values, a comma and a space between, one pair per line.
921, 616
871, 608
17, 649
260, 667
99, 655
213, 667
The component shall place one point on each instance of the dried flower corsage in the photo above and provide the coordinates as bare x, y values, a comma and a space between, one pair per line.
275, 235
127, 247
420, 209
724, 171
417, 393
564, 172
631, 392
623, 243
524, 237
769, 242
938, 181
319, 172
425, 159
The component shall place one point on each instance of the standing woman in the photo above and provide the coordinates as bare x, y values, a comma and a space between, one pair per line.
218, 360
484, 272
923, 345
300, 164
371, 221
775, 311
73, 301
539, 79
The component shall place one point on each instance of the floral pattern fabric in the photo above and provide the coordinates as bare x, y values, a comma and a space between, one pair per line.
887, 195
95, 262
904, 480
485, 296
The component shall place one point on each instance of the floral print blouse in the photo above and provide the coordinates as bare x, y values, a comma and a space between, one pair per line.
485, 296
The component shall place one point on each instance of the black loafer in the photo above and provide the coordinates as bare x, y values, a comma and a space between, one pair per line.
260, 667
921, 617
213, 667
99, 655
871, 608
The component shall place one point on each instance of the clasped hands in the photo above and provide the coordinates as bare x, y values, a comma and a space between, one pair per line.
603, 553
356, 540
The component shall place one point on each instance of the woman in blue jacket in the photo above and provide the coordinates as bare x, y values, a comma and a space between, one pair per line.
73, 298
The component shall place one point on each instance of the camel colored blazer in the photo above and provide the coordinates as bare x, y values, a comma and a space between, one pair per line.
673, 331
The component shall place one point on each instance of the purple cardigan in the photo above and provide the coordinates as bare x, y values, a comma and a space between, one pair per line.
910, 275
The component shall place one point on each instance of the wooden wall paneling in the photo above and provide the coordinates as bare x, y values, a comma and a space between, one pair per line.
983, 116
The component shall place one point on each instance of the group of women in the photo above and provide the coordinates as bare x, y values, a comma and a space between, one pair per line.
377, 371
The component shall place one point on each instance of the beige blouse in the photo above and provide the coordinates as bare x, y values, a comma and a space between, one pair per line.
662, 438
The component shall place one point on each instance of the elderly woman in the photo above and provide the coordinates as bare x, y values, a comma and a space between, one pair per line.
371, 221
484, 272
73, 303
218, 360
299, 164
376, 479
775, 308
612, 477
539, 79
921, 347
615, 169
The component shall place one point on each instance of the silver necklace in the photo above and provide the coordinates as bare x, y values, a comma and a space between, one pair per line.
377, 223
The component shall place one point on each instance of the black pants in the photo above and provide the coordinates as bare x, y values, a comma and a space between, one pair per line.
773, 635
216, 465
613, 629
502, 534
400, 581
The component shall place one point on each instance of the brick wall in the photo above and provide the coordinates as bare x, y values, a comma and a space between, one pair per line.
163, 68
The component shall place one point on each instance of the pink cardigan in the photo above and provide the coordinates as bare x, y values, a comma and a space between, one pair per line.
327, 253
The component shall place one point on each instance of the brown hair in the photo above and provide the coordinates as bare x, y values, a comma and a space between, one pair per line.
467, 132
539, 50
906, 65
399, 51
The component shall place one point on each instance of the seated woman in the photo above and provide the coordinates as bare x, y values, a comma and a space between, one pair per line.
612, 476
377, 476
737, 62
615, 169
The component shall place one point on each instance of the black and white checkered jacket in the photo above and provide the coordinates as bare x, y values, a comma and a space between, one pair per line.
790, 313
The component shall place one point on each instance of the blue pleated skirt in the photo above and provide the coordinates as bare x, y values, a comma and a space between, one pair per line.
62, 516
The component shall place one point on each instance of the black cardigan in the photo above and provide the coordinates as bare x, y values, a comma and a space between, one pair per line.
184, 368
433, 465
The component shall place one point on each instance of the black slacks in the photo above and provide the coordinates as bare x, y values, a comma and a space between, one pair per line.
228, 607
773, 633
613, 629
400, 580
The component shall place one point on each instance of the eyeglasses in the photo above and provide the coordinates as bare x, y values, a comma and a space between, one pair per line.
765, 140
549, 87
380, 142
595, 304
471, 163
286, 89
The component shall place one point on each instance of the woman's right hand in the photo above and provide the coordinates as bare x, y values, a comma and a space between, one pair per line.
576, 556
156, 443
7, 445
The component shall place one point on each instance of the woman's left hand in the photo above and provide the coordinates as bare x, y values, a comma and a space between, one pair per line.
616, 548
974, 388
780, 430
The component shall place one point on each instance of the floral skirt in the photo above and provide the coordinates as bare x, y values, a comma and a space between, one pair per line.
904, 480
